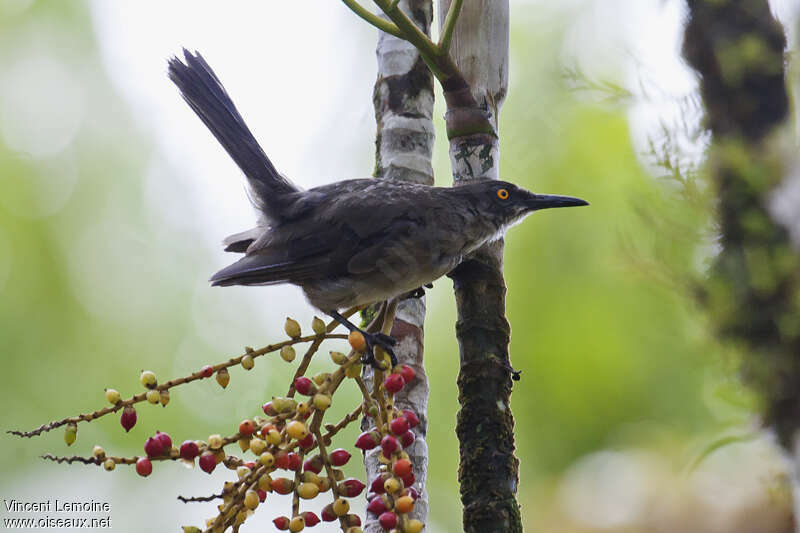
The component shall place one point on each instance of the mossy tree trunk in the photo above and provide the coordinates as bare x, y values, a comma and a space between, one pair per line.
753, 292
488, 470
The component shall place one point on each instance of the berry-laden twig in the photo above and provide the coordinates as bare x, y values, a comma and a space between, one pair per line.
285, 439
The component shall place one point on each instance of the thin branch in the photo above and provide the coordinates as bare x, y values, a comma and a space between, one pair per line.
446, 37
191, 499
367, 15
409, 31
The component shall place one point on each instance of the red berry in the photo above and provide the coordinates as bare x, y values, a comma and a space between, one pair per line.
304, 386
310, 518
246, 427
352, 520
339, 457
402, 467
128, 418
282, 460
389, 445
408, 373
378, 505
388, 520
294, 462
269, 410
368, 440
411, 416
313, 465
393, 383
262, 495
377, 485
165, 440
207, 371
281, 485
207, 462
399, 425
409, 479
250, 464
407, 439
351, 487
152, 447
327, 513
413, 493
144, 467
189, 450
281, 523
307, 442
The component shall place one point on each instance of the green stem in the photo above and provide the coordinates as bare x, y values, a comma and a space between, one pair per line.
383, 25
446, 37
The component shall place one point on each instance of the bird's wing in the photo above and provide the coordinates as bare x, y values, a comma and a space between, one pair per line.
384, 250
313, 256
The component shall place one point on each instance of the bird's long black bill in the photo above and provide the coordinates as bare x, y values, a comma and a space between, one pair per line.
548, 201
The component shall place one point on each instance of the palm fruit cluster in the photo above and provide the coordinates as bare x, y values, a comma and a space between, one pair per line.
285, 451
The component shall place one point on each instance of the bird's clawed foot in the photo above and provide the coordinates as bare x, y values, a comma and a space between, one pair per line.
381, 340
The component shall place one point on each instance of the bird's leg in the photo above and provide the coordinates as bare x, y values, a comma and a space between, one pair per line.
372, 339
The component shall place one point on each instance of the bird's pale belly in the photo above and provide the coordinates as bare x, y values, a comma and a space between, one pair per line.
382, 284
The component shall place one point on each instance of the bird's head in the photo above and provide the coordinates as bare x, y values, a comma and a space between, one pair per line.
510, 204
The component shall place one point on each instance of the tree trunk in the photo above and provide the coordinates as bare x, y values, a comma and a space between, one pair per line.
403, 99
753, 293
488, 469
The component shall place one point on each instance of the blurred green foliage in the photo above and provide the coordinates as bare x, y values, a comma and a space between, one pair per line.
613, 350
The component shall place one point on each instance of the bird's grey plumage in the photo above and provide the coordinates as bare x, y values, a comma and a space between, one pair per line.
355, 241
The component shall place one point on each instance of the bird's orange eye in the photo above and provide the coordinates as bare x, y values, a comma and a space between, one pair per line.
502, 194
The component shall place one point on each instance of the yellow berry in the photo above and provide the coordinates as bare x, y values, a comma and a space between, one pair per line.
153, 396
251, 499
215, 441
109, 464
296, 430
413, 526
247, 362
298, 523
341, 507
391, 485
164, 397
322, 401
70, 433
98, 452
258, 446
339, 358
148, 379
244, 444
266, 459
320, 378
242, 472
223, 377
112, 395
303, 408
324, 483
265, 483
288, 353
308, 491
292, 328
274, 437
318, 326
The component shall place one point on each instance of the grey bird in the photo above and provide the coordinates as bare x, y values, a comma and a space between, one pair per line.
352, 242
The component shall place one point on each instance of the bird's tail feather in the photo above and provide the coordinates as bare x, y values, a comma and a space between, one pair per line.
203, 91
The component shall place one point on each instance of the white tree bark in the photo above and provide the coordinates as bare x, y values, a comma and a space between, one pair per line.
403, 99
